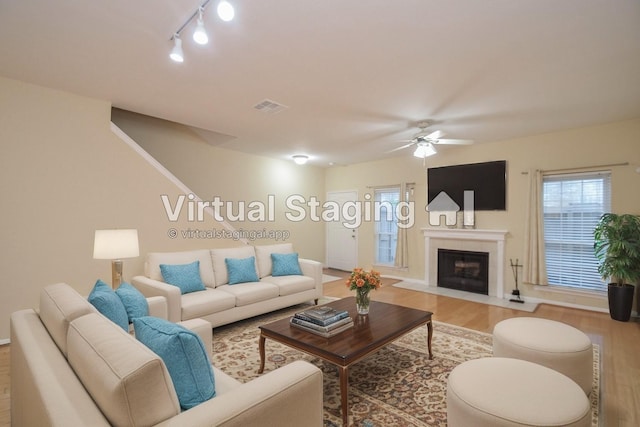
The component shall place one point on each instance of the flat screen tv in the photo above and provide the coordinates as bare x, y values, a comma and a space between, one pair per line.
488, 180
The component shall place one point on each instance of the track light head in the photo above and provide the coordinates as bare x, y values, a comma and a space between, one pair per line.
176, 53
200, 34
225, 11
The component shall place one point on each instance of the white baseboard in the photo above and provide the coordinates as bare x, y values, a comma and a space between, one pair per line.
5, 341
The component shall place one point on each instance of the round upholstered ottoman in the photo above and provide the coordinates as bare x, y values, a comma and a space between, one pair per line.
496, 392
549, 343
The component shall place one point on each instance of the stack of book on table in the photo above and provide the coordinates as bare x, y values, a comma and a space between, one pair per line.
324, 321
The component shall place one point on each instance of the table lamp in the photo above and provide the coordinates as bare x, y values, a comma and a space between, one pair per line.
116, 245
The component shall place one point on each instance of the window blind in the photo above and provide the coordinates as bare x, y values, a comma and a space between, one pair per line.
573, 204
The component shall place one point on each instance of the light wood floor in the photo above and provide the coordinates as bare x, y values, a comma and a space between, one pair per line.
619, 343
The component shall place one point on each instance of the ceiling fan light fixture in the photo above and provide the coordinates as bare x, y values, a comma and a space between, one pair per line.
225, 11
300, 159
424, 149
200, 34
176, 53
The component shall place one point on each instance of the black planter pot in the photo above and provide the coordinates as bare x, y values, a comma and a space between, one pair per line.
620, 301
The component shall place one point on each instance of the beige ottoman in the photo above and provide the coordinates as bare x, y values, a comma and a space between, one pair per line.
549, 343
495, 392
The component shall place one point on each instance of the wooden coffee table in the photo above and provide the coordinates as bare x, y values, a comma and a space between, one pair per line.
384, 324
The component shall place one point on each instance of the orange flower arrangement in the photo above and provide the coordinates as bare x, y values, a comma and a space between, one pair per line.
363, 280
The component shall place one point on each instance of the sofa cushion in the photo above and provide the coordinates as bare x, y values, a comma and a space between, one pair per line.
285, 265
252, 292
129, 383
134, 302
109, 304
263, 256
184, 276
60, 304
218, 257
202, 304
241, 270
290, 285
154, 259
184, 355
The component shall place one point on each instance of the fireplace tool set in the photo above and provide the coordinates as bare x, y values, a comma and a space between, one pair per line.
516, 291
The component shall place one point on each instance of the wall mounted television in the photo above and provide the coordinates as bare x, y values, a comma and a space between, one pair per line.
488, 180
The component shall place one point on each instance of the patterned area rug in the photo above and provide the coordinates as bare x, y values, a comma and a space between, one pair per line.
397, 386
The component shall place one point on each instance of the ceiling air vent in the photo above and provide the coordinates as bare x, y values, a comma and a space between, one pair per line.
269, 107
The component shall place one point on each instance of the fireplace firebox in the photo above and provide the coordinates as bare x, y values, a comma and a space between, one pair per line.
464, 270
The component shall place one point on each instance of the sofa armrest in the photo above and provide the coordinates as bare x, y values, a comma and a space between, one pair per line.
289, 396
154, 288
312, 269
204, 331
158, 307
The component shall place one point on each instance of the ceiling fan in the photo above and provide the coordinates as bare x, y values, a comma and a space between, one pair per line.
425, 141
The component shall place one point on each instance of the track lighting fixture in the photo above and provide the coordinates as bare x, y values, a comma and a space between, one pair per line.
200, 36
176, 53
225, 11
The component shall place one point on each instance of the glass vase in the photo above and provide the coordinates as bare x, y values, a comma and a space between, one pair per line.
362, 300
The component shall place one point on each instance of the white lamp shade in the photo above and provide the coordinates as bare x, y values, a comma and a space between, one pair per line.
116, 244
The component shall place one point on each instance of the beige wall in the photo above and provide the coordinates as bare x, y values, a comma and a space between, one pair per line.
236, 178
606, 144
64, 174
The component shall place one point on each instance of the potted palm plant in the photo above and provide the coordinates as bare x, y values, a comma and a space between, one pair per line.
617, 249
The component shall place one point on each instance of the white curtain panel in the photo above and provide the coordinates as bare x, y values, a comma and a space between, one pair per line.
534, 269
401, 259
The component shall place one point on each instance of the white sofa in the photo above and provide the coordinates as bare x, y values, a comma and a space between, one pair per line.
71, 366
221, 303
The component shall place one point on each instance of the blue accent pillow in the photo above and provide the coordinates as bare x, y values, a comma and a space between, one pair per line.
184, 276
241, 270
134, 302
105, 300
285, 265
184, 355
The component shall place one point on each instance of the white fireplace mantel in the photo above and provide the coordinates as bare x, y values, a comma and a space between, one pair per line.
495, 237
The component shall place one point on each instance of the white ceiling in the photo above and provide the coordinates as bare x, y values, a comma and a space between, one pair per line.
355, 74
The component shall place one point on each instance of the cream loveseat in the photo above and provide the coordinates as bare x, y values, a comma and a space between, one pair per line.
71, 366
221, 303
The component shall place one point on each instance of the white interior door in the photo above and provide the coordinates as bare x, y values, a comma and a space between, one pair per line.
342, 242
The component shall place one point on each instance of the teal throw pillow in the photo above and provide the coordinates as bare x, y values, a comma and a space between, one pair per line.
241, 270
134, 302
184, 355
184, 276
105, 300
285, 265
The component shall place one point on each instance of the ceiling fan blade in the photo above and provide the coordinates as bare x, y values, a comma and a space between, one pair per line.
454, 141
435, 135
400, 148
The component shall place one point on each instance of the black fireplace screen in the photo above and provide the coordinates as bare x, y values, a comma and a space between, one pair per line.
464, 270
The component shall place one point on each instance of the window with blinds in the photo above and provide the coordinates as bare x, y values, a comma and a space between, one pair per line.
386, 225
573, 203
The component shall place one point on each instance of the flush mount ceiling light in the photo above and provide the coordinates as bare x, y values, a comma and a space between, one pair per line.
300, 159
200, 36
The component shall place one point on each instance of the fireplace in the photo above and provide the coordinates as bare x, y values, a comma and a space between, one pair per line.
464, 270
